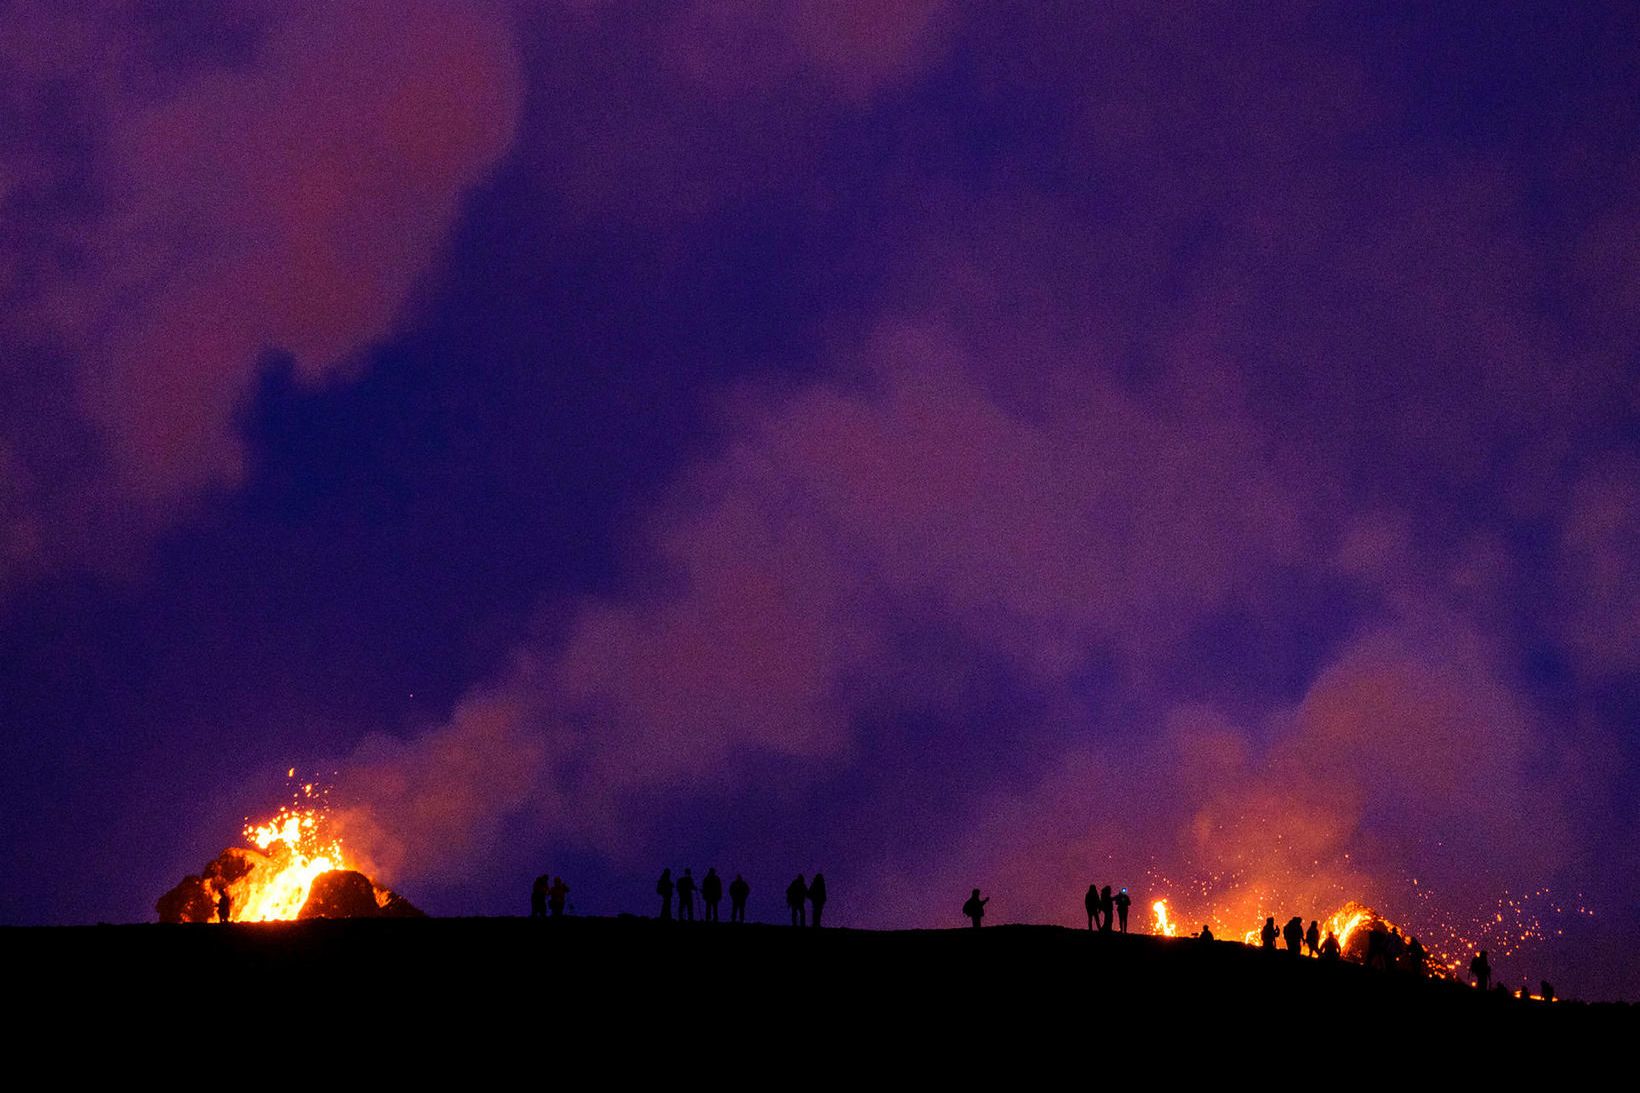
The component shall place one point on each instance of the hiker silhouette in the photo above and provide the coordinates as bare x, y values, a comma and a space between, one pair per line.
686, 897
538, 896
1123, 901
556, 895
797, 894
1206, 934
738, 891
1395, 950
1312, 938
1481, 969
711, 891
1269, 934
1377, 947
1107, 908
224, 907
1330, 949
1092, 904
1293, 934
975, 908
817, 896
663, 889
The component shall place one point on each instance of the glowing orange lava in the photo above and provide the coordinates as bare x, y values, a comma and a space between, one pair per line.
291, 850
297, 851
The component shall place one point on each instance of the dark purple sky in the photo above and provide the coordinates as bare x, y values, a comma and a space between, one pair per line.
939, 444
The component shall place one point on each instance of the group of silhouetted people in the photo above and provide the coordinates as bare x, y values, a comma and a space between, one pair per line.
1387, 949
800, 896
711, 894
1105, 911
1299, 939
1392, 951
548, 892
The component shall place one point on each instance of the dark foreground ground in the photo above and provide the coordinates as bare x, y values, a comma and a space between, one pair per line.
628, 994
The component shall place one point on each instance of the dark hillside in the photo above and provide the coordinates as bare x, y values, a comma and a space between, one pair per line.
764, 984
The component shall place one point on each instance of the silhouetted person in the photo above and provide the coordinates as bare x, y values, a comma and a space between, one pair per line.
1395, 950
817, 896
663, 889
686, 897
975, 908
1293, 934
538, 896
1107, 908
797, 894
1312, 938
224, 907
1377, 946
1330, 948
1091, 904
1417, 958
1269, 934
556, 895
1481, 969
1206, 934
1123, 902
738, 891
711, 891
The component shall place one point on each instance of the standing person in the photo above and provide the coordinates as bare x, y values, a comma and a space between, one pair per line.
1269, 934
663, 889
1091, 904
817, 896
1417, 958
975, 908
1312, 938
1123, 901
224, 906
556, 895
738, 891
538, 896
1481, 969
1330, 949
797, 893
1293, 934
686, 897
1107, 908
711, 891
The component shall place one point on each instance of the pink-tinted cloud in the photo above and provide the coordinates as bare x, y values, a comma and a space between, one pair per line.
289, 207
1598, 571
854, 50
1408, 759
283, 198
662, 119
1100, 523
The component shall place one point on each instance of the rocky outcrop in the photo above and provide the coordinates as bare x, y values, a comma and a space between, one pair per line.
346, 893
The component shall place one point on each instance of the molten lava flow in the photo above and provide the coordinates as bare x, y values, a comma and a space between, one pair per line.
293, 868
1345, 921
297, 852
1349, 924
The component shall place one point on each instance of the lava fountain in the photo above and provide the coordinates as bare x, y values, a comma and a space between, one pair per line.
293, 867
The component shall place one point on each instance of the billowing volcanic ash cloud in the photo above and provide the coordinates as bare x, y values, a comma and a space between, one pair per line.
1135, 537
198, 188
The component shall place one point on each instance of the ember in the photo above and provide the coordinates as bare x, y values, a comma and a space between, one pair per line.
294, 868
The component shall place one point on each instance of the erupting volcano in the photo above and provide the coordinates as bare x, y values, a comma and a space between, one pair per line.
294, 867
